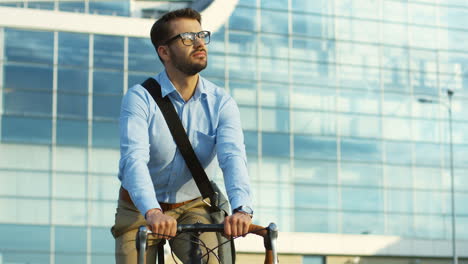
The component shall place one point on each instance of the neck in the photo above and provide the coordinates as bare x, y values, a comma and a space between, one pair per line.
184, 84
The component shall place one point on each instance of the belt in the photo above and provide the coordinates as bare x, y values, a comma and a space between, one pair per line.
125, 196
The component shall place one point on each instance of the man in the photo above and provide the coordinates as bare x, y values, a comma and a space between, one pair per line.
157, 188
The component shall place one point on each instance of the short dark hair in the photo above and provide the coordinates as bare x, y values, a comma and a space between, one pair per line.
160, 30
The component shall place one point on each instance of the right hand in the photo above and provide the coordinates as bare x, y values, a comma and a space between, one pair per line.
161, 223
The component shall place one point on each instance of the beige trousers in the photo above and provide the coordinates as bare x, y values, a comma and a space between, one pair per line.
128, 219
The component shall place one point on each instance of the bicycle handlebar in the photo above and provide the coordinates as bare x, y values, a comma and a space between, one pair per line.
269, 234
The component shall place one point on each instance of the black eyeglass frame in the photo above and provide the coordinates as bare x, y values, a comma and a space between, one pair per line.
195, 34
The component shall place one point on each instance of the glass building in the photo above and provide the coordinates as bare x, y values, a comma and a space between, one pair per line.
341, 152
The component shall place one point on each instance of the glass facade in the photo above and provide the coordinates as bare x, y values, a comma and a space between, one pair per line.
328, 91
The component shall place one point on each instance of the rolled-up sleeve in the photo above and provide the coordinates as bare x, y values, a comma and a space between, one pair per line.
134, 149
232, 159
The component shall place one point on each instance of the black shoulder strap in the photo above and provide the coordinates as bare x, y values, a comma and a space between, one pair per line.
180, 137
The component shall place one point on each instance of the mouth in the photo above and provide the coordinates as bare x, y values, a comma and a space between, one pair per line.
200, 53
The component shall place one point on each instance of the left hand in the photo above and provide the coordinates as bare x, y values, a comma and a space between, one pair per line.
237, 224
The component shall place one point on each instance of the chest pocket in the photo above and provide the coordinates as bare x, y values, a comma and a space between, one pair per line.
205, 147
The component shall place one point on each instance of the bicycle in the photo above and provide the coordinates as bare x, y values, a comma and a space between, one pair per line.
269, 234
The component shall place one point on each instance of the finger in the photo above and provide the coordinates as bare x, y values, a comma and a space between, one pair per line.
155, 229
234, 228
227, 226
245, 229
173, 228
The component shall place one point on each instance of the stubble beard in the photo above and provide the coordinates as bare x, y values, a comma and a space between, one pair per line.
188, 67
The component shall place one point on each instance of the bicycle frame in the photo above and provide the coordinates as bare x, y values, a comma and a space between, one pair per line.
269, 234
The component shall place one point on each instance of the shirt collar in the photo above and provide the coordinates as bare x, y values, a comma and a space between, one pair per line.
167, 87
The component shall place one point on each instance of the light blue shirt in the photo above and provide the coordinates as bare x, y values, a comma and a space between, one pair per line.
152, 169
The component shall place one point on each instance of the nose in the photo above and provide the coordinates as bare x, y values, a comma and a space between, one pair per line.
198, 42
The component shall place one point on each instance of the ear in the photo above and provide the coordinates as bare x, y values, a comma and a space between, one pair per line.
163, 52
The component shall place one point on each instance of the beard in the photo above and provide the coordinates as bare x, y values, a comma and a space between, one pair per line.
186, 65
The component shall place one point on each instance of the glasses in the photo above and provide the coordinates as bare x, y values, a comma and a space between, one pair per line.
188, 38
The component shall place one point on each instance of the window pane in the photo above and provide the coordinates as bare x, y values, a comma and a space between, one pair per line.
359, 102
64, 216
243, 18
29, 46
73, 47
398, 152
108, 51
26, 257
361, 174
70, 239
102, 213
76, 6
309, 196
136, 78
313, 147
108, 82
318, 221
242, 43
431, 202
244, 92
27, 103
431, 226
313, 98
274, 46
251, 142
361, 199
396, 105
274, 169
279, 4
27, 130
395, 80
103, 161
39, 241
71, 159
274, 95
105, 134
112, 8
274, 70
360, 126
400, 224
248, 117
215, 66
72, 105
318, 123
359, 77
70, 258
279, 149
310, 25
361, 150
72, 80
39, 77
104, 187
242, 68
106, 106
275, 120
321, 74
428, 154
13, 183
361, 54
399, 201
72, 132
313, 49
398, 176
14, 155
322, 172
102, 241
25, 211
363, 223
142, 56
70, 185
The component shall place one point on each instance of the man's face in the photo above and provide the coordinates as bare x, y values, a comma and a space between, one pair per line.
187, 59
